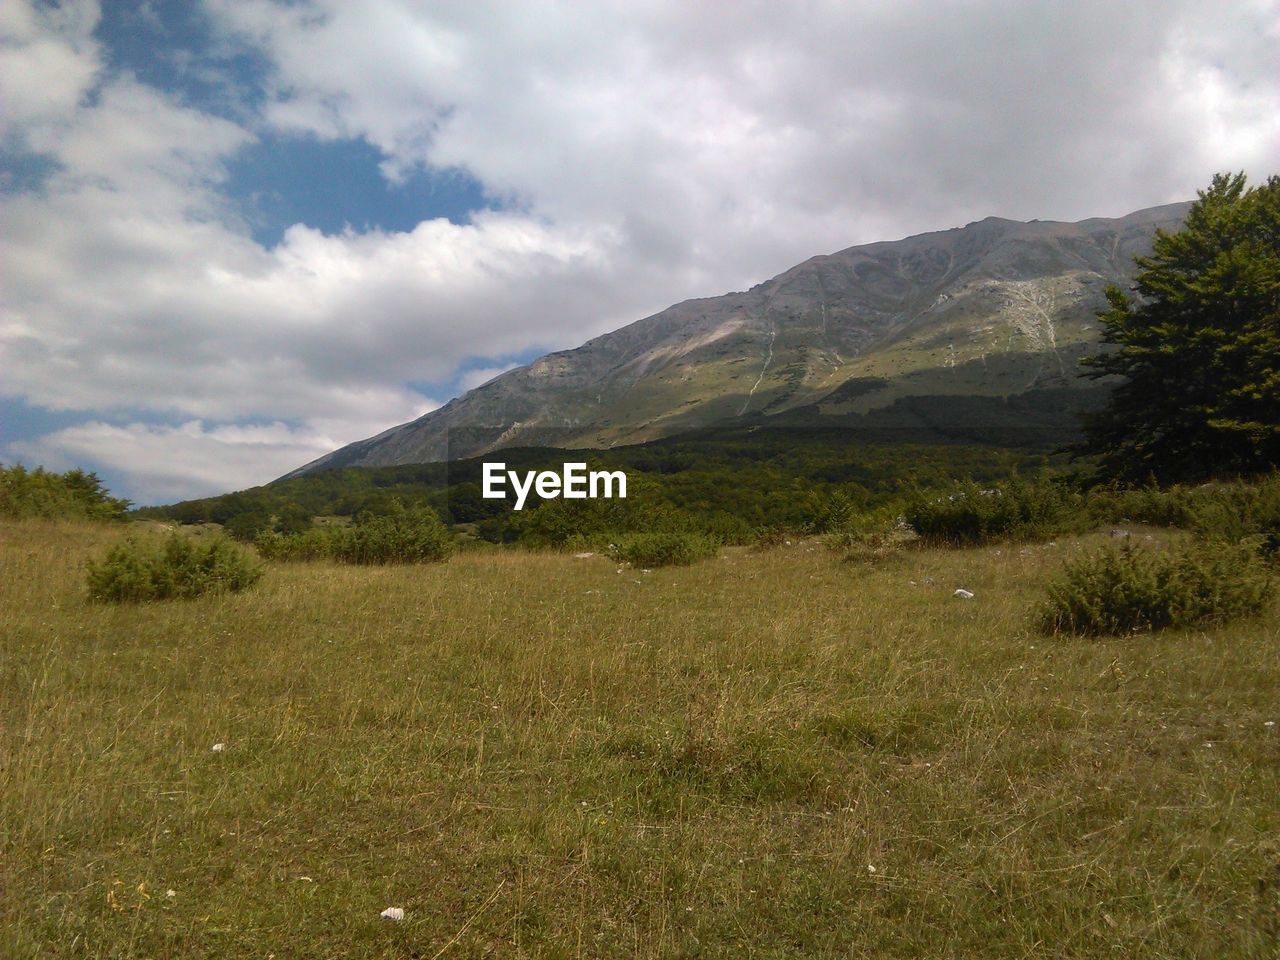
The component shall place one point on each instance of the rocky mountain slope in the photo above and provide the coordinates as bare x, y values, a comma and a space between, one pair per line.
996, 309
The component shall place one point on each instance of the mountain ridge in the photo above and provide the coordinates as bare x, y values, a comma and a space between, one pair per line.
995, 308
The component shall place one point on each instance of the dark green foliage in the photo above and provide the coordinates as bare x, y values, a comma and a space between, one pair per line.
1199, 348
727, 484
177, 567
246, 527
74, 495
665, 549
1129, 589
411, 537
1242, 513
1018, 509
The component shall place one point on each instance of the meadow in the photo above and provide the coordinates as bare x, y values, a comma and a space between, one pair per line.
774, 753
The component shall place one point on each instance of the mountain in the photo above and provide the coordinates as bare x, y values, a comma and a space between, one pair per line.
905, 334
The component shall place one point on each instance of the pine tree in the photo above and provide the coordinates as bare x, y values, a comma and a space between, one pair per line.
1198, 348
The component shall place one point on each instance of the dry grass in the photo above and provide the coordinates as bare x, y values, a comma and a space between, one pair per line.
537, 756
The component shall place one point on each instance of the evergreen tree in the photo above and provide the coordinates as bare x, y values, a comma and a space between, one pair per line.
1199, 346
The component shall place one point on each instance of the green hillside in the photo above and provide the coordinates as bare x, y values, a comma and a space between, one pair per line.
996, 309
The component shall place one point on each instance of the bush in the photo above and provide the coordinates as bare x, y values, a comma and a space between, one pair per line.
768, 538
1016, 510
175, 568
1241, 513
1238, 512
314, 544
867, 546
415, 537
1129, 589
1161, 507
665, 549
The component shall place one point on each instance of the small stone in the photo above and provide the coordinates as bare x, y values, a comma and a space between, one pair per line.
394, 914
963, 594
219, 747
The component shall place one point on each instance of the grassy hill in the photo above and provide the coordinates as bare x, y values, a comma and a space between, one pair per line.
771, 754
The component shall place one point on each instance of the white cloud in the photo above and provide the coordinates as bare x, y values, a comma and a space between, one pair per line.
476, 378
649, 152
48, 61
192, 459
722, 146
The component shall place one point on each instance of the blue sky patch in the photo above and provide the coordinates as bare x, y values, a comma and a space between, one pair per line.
171, 45
280, 179
331, 184
22, 172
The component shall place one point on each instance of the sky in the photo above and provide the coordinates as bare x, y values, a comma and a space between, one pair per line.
237, 234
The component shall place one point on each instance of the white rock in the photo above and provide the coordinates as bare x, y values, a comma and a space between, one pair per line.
219, 747
395, 914
963, 594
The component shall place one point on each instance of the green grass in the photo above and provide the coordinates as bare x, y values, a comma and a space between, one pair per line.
537, 756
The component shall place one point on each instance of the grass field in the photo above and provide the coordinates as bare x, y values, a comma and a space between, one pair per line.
772, 754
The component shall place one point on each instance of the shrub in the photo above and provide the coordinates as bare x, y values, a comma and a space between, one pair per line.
415, 537
1016, 510
1161, 507
315, 544
175, 568
1236, 512
1129, 589
665, 549
1241, 513
767, 538
867, 546
570, 524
